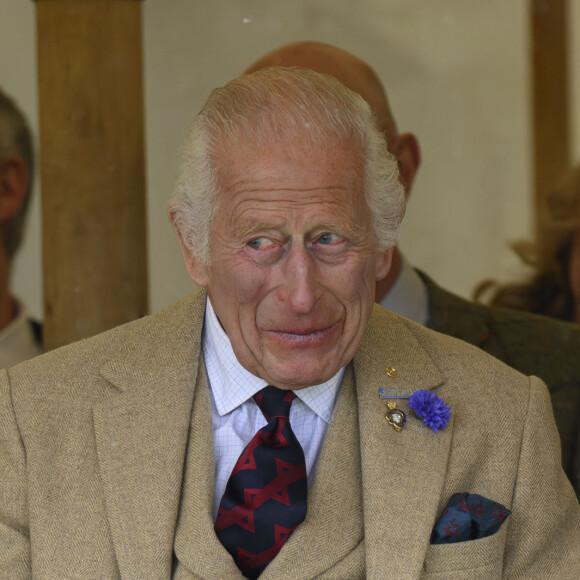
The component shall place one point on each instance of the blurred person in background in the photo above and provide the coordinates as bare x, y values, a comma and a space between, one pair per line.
20, 336
553, 288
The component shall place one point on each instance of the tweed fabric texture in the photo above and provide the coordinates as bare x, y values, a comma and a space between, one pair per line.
533, 345
94, 437
197, 551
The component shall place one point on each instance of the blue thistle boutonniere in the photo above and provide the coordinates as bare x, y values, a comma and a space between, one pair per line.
434, 411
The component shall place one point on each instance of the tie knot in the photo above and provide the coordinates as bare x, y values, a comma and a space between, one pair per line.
274, 402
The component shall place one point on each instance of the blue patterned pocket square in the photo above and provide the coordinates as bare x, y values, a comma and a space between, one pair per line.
468, 517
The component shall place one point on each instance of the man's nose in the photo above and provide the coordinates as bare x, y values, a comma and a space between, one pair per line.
301, 288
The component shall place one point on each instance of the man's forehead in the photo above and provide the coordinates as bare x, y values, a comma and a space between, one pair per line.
282, 166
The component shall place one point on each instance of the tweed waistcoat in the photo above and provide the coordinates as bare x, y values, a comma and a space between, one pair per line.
320, 547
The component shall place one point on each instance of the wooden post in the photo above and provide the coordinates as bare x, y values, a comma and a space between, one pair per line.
550, 95
92, 166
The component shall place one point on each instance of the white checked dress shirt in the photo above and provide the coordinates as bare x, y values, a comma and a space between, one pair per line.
236, 416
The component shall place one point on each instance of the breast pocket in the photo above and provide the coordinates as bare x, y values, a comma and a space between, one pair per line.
476, 559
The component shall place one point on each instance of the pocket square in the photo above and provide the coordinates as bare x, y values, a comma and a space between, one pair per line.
468, 517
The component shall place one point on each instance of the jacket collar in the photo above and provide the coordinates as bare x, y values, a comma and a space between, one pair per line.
403, 472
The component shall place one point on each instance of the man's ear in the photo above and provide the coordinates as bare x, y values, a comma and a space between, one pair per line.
196, 270
14, 177
383, 262
408, 153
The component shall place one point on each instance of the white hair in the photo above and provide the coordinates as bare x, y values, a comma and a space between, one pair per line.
281, 107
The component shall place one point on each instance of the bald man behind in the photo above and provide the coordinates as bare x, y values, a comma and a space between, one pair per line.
531, 344
358, 76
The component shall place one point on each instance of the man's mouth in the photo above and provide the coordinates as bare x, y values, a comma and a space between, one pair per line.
302, 337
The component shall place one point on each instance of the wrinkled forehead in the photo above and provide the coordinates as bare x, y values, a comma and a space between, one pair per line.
291, 178
290, 158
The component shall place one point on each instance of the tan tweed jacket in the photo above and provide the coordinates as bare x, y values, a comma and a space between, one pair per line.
93, 439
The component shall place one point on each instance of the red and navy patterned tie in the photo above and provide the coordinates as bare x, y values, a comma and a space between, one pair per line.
265, 497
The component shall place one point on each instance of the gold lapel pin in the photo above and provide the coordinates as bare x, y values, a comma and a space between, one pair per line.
390, 371
395, 417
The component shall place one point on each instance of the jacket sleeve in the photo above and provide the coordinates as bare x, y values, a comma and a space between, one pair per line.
14, 535
544, 532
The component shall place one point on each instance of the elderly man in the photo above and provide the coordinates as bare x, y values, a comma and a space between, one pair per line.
20, 336
533, 345
276, 423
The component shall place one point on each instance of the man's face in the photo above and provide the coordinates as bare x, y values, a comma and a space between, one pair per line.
294, 265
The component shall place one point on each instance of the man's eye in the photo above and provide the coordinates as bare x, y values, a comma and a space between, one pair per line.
329, 239
259, 243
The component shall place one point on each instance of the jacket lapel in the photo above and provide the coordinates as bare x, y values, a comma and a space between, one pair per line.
403, 472
141, 436
197, 547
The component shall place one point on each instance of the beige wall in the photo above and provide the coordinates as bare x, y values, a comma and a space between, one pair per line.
457, 73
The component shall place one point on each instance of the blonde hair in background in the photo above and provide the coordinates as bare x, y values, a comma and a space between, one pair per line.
548, 289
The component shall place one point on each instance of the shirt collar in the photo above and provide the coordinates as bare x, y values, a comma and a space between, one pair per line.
232, 385
408, 295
